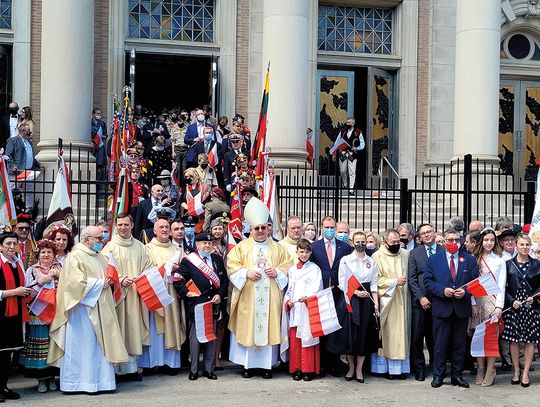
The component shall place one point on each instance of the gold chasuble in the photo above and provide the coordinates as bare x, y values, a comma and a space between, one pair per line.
290, 245
131, 259
81, 265
255, 316
169, 320
394, 303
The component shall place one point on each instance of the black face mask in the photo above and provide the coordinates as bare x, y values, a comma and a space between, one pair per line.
369, 252
404, 240
188, 180
393, 248
360, 247
13, 110
204, 166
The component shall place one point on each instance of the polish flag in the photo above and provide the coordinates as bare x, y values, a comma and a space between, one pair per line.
483, 286
152, 289
195, 205
44, 305
112, 273
339, 145
323, 319
213, 158
231, 241
204, 323
485, 341
166, 268
28, 175
192, 288
352, 284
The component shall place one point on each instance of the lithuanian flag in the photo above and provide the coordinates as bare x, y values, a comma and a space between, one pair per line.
259, 144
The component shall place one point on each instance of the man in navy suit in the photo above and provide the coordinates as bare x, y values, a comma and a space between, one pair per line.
195, 134
327, 252
421, 320
446, 273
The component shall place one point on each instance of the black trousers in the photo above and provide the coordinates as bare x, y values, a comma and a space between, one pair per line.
5, 366
450, 342
421, 328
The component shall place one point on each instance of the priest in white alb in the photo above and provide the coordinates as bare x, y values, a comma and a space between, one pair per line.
85, 335
131, 259
167, 325
257, 269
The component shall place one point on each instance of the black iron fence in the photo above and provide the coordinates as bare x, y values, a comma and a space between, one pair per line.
470, 189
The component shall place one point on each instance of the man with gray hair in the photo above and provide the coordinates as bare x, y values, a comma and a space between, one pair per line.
457, 224
354, 140
503, 223
294, 233
406, 236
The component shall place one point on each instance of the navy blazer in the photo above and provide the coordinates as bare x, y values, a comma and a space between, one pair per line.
191, 134
417, 264
437, 278
319, 257
189, 272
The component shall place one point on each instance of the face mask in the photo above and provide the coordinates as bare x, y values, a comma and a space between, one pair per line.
349, 126
160, 148
184, 117
360, 247
393, 248
404, 240
452, 247
208, 137
329, 233
370, 246
369, 252
106, 236
342, 236
13, 110
310, 235
97, 246
190, 231
204, 166
188, 180
200, 117
98, 117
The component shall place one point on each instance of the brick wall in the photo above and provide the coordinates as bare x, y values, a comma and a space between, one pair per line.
422, 84
101, 56
35, 66
242, 56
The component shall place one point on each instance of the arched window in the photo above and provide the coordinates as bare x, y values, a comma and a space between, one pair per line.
180, 20
520, 47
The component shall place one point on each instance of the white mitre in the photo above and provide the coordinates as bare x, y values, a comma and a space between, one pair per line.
256, 212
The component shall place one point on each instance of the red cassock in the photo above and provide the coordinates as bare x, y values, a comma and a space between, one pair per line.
306, 360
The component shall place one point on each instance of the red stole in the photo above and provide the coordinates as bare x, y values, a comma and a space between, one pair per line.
12, 305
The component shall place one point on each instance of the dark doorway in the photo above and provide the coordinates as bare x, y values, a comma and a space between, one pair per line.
5, 91
165, 81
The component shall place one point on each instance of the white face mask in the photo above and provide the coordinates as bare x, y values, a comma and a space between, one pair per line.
200, 117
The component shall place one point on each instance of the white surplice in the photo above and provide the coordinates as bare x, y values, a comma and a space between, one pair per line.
85, 368
156, 354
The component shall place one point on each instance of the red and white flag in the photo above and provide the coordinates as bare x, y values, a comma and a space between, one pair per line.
60, 208
152, 289
166, 269
485, 341
44, 305
231, 241
483, 286
323, 318
339, 145
28, 175
195, 205
112, 273
352, 284
213, 158
204, 322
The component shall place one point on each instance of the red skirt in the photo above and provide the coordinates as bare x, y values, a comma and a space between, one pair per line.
305, 360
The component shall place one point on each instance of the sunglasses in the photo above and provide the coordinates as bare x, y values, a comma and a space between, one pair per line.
257, 228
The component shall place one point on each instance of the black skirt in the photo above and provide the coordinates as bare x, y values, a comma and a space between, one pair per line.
359, 333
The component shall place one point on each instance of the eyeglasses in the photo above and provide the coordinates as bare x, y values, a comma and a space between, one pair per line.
257, 228
23, 227
453, 240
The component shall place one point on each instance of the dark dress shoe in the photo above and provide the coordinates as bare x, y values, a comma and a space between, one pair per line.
2, 399
522, 384
437, 381
360, 380
193, 376
9, 394
420, 376
134, 377
460, 382
219, 368
267, 374
307, 377
210, 375
349, 378
247, 374
297, 376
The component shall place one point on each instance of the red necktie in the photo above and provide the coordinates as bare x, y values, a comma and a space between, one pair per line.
329, 253
453, 268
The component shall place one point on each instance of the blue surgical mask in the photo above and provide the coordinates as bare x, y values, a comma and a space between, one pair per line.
97, 246
329, 233
190, 231
208, 137
343, 236
106, 236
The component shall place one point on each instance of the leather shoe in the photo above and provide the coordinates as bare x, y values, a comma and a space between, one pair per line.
297, 376
420, 376
2, 399
437, 381
267, 374
9, 394
460, 382
193, 376
210, 375
247, 374
307, 377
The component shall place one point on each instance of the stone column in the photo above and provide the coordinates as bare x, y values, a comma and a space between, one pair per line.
21, 22
476, 112
66, 76
286, 35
